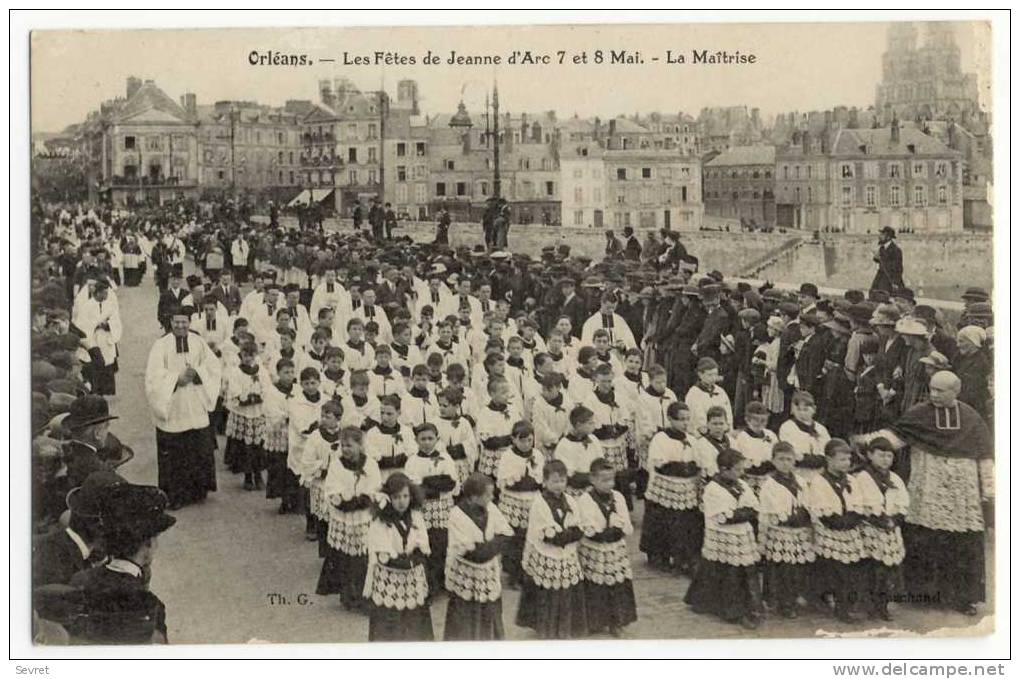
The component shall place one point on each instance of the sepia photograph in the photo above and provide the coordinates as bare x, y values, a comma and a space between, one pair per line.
510, 333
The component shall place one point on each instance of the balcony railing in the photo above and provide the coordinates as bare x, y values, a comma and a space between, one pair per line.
151, 181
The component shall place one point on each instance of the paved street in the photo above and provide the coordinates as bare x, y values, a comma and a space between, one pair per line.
217, 568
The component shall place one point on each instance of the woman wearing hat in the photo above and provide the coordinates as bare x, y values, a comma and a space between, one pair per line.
973, 366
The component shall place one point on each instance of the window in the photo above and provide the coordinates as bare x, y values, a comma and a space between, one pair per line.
372, 154
917, 170
401, 173
796, 172
419, 149
279, 157
683, 194
807, 169
291, 177
646, 195
372, 177
848, 196
352, 177
809, 192
220, 175
578, 173
869, 196
578, 195
647, 219
290, 158
153, 143
419, 172
372, 131
846, 220
846, 171
895, 171
421, 193
440, 188
550, 188
768, 175
401, 149
449, 164
943, 195
646, 173
461, 189
280, 173
940, 169
871, 170
894, 196
621, 173
918, 195
786, 171
352, 155
483, 188
578, 217
129, 143
402, 193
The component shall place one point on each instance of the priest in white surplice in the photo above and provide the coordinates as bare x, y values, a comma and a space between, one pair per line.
182, 381
98, 318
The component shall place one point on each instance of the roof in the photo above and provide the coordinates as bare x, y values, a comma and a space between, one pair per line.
150, 97
851, 142
627, 126
746, 155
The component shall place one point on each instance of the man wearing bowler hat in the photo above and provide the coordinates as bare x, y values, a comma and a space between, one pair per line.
88, 423
61, 553
889, 258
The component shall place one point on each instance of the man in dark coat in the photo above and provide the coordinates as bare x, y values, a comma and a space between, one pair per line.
573, 307
376, 216
226, 293
58, 555
116, 604
717, 324
171, 298
632, 250
889, 257
811, 359
389, 221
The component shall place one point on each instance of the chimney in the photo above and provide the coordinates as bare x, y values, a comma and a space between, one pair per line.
806, 142
894, 131
133, 85
465, 139
612, 128
852, 124
954, 140
597, 130
326, 93
189, 102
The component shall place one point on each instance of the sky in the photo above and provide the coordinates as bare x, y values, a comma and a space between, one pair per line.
799, 66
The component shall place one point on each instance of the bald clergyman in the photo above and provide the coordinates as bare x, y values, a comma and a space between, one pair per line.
951, 486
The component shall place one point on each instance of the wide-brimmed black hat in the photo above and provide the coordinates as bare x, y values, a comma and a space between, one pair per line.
134, 511
88, 498
86, 411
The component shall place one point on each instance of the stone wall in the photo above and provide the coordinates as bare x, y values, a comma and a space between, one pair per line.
939, 266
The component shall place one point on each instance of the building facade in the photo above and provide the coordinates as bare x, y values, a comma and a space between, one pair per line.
142, 148
740, 184
342, 145
895, 176
583, 185
248, 149
802, 182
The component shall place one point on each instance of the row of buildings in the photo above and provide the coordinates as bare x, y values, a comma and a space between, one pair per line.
906, 162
